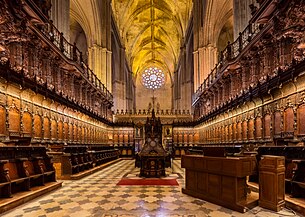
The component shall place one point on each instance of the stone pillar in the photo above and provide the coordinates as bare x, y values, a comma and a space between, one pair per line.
100, 63
198, 6
205, 59
100, 52
108, 71
60, 14
241, 15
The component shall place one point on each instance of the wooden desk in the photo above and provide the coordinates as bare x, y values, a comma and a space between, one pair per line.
220, 180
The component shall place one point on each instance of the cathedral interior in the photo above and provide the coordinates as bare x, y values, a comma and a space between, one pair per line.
152, 108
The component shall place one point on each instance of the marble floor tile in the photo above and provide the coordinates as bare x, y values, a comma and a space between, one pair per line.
98, 195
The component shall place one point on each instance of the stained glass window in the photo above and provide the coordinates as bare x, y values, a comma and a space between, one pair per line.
153, 78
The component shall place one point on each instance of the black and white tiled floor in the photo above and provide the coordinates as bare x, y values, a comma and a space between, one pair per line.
98, 195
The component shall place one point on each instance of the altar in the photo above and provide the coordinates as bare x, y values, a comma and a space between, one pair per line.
153, 157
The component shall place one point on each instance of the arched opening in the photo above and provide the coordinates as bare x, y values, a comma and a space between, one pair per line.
225, 35
78, 36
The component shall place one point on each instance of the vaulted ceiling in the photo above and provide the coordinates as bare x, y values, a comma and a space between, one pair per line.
152, 31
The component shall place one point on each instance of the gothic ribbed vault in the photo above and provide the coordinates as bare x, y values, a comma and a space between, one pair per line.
152, 31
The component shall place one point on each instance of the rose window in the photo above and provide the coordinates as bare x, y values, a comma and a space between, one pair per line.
153, 78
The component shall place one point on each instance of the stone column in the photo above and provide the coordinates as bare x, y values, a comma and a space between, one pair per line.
205, 59
198, 29
196, 71
100, 63
60, 14
241, 15
100, 52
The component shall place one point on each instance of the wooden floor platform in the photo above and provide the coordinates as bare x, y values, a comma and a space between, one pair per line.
25, 196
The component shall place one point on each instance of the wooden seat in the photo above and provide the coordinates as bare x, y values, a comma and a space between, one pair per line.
80, 160
18, 176
35, 172
5, 183
74, 164
22, 167
48, 169
298, 179
87, 160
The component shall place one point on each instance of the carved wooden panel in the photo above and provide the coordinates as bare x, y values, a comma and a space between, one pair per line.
66, 131
46, 128
288, 120
191, 138
75, 133
80, 133
234, 136
267, 125
239, 130
277, 123
226, 133
98, 136
27, 123
37, 126
258, 128
196, 137
244, 130
180, 139
2, 121
14, 120
185, 137
88, 134
86, 138
251, 129
85, 134
70, 132
115, 138
60, 130
175, 137
103, 136
125, 138
230, 132
53, 129
219, 133
301, 119
93, 135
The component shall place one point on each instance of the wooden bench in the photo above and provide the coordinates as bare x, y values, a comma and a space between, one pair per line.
104, 156
22, 167
88, 160
48, 169
5, 183
76, 167
79, 159
35, 171
18, 175
298, 179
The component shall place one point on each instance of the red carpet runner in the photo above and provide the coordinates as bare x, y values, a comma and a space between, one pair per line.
126, 181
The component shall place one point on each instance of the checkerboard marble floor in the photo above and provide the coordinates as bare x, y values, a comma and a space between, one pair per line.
98, 195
